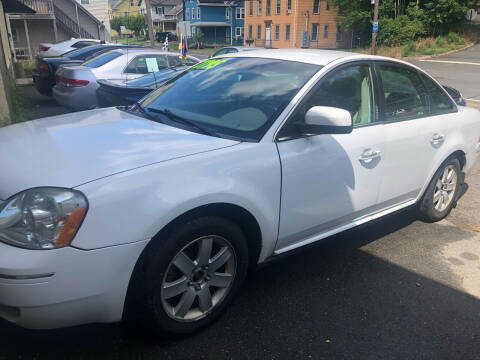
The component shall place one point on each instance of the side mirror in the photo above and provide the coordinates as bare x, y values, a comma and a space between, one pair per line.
327, 120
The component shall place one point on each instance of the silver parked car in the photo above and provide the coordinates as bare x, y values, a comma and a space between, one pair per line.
77, 85
234, 49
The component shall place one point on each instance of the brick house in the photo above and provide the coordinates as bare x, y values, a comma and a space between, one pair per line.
293, 24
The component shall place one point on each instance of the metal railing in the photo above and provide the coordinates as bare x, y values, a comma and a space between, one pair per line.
41, 7
71, 24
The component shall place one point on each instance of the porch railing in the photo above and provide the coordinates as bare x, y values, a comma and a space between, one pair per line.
41, 7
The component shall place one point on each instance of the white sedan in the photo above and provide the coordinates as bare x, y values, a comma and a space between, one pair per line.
62, 47
160, 209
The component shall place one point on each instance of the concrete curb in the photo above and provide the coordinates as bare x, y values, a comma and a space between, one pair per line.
24, 81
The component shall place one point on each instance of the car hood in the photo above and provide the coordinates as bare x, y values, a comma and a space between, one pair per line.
69, 150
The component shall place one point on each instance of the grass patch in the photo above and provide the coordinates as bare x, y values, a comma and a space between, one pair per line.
427, 46
19, 105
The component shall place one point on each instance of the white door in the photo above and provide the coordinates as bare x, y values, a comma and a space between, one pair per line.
267, 37
330, 180
415, 130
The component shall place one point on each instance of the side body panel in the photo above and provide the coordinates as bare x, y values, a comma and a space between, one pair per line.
136, 205
325, 185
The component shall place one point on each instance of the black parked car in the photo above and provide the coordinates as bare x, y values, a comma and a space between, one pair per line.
44, 73
128, 92
160, 36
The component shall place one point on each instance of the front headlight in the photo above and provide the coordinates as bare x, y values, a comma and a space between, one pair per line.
42, 218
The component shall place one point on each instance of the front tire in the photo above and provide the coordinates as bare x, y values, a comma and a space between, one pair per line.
441, 194
191, 276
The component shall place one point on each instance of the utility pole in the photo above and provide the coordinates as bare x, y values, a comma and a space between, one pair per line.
375, 26
150, 23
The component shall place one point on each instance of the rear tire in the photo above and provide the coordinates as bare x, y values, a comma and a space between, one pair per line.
190, 277
441, 194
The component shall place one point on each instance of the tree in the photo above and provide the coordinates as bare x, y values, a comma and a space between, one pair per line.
136, 23
403, 20
116, 23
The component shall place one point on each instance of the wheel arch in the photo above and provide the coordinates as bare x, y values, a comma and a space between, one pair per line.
458, 154
235, 213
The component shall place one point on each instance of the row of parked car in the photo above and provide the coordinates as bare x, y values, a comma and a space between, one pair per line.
104, 75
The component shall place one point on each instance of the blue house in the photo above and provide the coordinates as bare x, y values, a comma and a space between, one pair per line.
221, 22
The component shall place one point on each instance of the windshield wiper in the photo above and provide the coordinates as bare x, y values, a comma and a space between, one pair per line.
181, 119
144, 112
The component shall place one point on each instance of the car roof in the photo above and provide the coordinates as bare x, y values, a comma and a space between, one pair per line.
312, 56
145, 50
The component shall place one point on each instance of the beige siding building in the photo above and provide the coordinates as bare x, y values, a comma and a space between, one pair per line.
99, 9
293, 24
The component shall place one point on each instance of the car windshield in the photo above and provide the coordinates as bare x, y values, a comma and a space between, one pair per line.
102, 59
235, 97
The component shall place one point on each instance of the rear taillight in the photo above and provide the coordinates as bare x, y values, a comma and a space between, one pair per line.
71, 82
44, 48
44, 67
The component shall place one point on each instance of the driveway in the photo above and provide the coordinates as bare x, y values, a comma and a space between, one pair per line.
394, 289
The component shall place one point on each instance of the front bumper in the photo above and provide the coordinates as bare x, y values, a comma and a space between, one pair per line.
44, 289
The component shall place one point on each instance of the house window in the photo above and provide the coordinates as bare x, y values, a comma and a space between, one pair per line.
238, 31
198, 13
327, 7
240, 13
316, 6
325, 32
85, 2
289, 6
277, 32
259, 10
193, 14
339, 33
287, 32
314, 32
250, 8
227, 13
187, 13
125, 13
267, 9
250, 31
277, 7
259, 32
132, 2
159, 10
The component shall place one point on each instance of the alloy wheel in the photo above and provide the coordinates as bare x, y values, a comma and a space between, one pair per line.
445, 189
198, 278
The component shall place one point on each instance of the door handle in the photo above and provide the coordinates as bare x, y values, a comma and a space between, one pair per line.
437, 139
369, 155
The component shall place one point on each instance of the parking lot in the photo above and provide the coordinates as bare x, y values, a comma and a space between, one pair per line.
394, 289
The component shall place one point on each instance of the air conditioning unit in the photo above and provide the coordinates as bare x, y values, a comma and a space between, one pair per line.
289, 11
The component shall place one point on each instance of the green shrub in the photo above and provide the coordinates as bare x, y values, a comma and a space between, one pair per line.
454, 38
440, 41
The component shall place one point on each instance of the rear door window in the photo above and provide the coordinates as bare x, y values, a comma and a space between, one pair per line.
404, 93
440, 102
146, 64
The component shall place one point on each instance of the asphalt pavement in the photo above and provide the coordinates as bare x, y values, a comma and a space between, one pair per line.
394, 289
